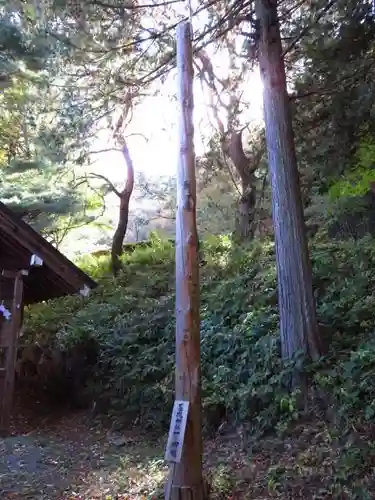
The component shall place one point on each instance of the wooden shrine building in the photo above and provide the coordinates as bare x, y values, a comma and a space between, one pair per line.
31, 270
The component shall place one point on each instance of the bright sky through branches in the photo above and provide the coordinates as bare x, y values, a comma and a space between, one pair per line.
156, 118
153, 133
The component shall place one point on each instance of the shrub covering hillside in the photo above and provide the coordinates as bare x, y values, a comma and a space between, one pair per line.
132, 319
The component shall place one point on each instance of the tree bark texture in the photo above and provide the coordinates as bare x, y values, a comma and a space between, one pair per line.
298, 322
245, 224
187, 481
125, 195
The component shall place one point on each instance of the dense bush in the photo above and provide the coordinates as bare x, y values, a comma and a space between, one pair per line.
132, 319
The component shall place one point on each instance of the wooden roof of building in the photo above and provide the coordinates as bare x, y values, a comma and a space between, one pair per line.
57, 276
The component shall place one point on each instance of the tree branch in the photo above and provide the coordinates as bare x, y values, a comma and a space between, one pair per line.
107, 181
128, 6
307, 28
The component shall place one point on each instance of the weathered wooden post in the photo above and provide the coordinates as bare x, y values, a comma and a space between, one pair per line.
9, 343
184, 447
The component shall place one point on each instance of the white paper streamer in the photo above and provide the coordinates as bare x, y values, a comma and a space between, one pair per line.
4, 311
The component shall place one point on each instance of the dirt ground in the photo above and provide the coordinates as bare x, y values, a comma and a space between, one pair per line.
54, 456
66, 457
61, 456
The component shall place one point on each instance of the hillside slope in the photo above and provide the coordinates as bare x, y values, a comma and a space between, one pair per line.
244, 382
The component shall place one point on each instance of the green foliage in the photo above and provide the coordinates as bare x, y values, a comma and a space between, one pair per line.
357, 181
350, 385
132, 318
38, 177
332, 121
343, 282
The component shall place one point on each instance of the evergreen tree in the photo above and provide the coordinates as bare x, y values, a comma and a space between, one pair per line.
36, 179
104, 71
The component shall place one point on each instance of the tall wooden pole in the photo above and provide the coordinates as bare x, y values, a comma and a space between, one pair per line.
186, 473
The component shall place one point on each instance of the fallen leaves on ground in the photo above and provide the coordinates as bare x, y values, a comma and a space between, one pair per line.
69, 458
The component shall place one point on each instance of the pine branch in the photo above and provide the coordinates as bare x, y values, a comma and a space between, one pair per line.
308, 27
128, 6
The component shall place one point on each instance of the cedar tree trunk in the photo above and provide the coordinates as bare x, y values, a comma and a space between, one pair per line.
298, 322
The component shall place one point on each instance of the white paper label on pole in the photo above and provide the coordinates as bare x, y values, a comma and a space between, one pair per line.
177, 429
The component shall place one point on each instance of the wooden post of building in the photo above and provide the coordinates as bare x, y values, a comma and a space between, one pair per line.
11, 347
184, 451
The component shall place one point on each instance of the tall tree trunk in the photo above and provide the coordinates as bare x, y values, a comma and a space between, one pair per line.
247, 201
298, 322
246, 213
231, 145
118, 237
